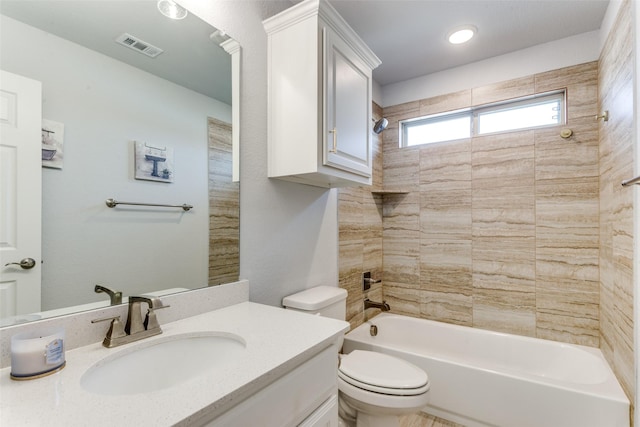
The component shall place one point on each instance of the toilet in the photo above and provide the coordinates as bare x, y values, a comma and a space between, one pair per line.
374, 388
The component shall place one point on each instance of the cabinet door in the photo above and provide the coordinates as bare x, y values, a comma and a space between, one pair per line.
290, 399
325, 416
347, 112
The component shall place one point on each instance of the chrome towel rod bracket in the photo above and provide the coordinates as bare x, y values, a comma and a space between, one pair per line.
631, 181
112, 203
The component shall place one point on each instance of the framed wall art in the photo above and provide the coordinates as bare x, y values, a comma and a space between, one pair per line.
153, 163
52, 144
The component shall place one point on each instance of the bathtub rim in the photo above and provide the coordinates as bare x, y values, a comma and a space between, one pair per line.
610, 389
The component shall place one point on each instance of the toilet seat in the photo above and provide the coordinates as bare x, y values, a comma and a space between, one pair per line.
382, 373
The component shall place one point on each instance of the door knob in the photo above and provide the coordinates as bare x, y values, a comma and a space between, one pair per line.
25, 263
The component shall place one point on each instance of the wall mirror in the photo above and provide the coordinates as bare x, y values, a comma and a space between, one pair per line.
141, 108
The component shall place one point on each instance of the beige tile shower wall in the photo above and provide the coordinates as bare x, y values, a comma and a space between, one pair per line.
360, 237
224, 207
616, 204
501, 231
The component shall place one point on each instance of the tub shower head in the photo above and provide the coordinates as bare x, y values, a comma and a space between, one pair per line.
380, 125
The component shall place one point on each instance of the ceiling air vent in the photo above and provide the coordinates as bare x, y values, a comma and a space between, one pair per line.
139, 45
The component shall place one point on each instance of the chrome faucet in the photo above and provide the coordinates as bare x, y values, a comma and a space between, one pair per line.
372, 304
114, 296
135, 328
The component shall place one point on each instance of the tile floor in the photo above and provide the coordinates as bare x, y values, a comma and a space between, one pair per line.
425, 420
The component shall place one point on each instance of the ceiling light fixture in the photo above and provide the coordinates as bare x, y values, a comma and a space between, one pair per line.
171, 9
462, 34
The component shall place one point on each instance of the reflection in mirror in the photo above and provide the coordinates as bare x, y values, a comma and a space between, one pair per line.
105, 99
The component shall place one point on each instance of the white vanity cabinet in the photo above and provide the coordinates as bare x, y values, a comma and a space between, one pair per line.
307, 396
319, 107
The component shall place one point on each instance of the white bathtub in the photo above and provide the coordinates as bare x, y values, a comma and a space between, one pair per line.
484, 378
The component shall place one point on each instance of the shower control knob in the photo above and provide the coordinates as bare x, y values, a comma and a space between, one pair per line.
26, 263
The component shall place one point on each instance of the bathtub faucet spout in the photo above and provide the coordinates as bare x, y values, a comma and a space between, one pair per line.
372, 304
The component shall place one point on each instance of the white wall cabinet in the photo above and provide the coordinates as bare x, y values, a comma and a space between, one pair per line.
320, 101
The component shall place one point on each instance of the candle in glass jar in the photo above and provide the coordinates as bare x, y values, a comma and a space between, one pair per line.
34, 354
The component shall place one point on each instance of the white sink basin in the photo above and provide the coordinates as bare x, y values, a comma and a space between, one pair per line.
162, 363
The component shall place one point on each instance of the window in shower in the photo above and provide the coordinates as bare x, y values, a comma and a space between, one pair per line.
546, 109
438, 128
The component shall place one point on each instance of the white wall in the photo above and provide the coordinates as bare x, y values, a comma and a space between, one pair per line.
104, 105
536, 59
288, 232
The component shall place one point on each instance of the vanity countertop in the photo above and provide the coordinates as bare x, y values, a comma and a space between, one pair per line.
277, 340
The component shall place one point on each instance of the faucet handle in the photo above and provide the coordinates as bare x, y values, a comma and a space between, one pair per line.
150, 320
116, 330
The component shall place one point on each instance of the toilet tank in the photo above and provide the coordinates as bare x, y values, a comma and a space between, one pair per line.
327, 301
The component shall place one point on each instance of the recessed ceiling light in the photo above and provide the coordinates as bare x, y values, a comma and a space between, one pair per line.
171, 9
462, 34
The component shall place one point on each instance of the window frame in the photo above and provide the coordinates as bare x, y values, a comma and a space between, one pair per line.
474, 114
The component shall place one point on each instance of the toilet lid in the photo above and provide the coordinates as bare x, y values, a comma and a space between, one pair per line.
382, 373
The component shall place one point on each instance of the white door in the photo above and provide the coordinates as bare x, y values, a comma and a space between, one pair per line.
20, 194
348, 108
